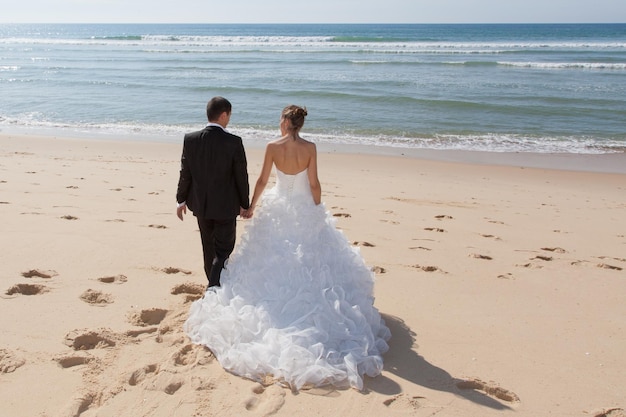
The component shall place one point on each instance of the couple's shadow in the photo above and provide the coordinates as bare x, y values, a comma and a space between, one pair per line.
403, 361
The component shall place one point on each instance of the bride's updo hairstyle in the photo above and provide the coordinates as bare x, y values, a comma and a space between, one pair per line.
295, 115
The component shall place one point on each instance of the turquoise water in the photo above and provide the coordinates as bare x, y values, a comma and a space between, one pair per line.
535, 88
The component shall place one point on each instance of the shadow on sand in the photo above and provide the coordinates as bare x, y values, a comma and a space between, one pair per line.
403, 361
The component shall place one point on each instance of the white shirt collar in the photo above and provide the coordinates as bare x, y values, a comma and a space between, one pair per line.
216, 125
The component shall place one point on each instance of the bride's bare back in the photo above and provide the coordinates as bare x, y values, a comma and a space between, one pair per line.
291, 154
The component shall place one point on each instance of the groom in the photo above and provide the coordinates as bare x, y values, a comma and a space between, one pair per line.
213, 183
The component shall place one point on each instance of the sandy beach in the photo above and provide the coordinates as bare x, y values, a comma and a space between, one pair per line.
502, 279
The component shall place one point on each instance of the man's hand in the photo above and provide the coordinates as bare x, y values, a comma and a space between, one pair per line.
180, 210
246, 214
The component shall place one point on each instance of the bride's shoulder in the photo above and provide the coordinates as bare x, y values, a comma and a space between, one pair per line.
306, 143
277, 143
310, 146
273, 145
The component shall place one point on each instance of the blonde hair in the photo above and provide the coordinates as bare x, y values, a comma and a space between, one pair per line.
295, 114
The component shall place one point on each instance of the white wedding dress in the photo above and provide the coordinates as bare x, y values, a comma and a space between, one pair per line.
296, 299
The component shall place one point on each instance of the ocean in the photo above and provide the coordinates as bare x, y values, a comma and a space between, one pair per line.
544, 88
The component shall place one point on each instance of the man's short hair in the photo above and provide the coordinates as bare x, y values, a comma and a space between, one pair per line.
216, 106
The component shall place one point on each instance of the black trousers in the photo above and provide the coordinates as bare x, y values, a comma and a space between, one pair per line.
218, 242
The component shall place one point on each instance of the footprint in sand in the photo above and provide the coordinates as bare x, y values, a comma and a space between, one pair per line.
170, 329
557, 250
488, 388
27, 289
342, 215
149, 317
170, 387
39, 274
167, 377
444, 217
187, 355
138, 332
192, 291
434, 229
202, 383
188, 288
610, 412
378, 270
600, 265
150, 377
91, 339
265, 401
172, 270
157, 226
529, 265
115, 279
508, 275
615, 259
607, 266
141, 374
366, 244
190, 355
404, 402
427, 268
543, 258
69, 361
479, 256
488, 236
96, 298
9, 361
79, 404
68, 217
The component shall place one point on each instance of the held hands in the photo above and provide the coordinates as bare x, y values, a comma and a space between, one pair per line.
246, 214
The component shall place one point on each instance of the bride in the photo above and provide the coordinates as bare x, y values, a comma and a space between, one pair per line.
296, 299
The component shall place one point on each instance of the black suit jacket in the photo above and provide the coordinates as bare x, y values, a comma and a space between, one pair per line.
213, 175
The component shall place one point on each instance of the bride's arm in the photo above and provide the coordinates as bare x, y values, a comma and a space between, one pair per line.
264, 176
316, 188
